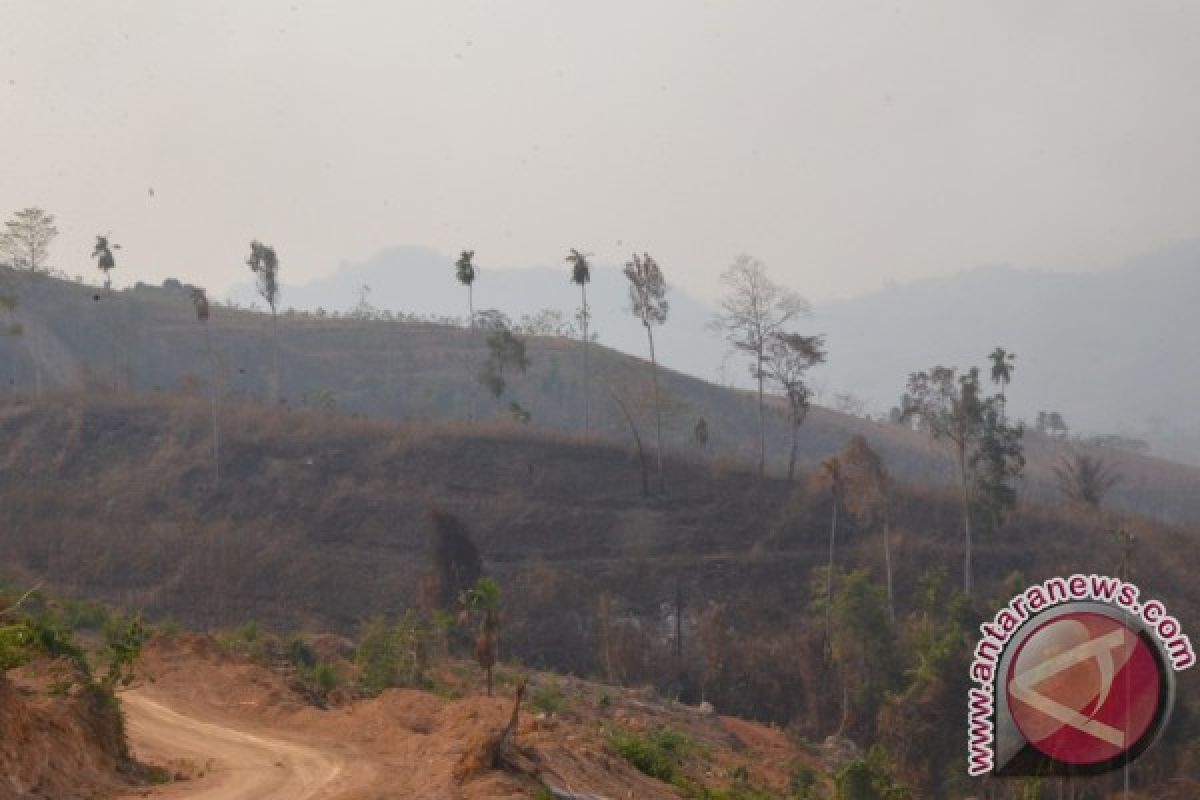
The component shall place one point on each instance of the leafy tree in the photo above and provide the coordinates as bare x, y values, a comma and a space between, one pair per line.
1085, 480
465, 272
264, 263
648, 302
483, 602
200, 304
753, 314
506, 351
789, 357
998, 461
581, 276
949, 407
862, 648
868, 490
26, 239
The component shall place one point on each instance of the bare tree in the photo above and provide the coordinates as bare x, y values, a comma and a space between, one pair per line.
200, 303
753, 312
1085, 479
648, 302
26, 239
464, 270
868, 492
264, 263
789, 357
581, 276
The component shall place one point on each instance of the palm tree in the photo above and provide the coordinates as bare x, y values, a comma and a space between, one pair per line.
581, 275
1003, 364
466, 274
483, 599
1085, 479
105, 261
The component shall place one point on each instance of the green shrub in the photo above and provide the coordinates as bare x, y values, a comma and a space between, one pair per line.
549, 697
658, 754
324, 676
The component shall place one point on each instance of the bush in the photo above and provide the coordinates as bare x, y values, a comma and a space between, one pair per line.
658, 754
392, 656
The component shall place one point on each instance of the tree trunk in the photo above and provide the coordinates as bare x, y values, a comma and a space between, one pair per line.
212, 367
470, 305
792, 455
657, 412
586, 373
638, 440
966, 512
887, 563
829, 577
275, 354
762, 422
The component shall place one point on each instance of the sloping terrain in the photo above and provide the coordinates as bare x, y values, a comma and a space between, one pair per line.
320, 522
230, 729
78, 336
50, 747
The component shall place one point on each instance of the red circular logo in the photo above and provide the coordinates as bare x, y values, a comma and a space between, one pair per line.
1084, 688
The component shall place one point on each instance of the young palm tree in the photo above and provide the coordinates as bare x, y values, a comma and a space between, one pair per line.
648, 302
581, 275
464, 270
483, 599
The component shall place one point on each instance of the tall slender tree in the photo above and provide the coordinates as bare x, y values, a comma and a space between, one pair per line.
464, 270
753, 312
648, 302
200, 303
581, 276
106, 262
832, 476
789, 357
264, 263
949, 407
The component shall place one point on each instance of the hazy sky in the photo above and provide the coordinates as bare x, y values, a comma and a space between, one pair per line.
843, 143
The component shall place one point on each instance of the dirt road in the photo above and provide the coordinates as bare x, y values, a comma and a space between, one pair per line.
235, 764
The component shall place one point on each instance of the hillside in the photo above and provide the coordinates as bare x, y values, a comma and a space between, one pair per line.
79, 336
1103, 348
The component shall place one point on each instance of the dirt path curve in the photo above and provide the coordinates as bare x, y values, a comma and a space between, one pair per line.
242, 765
